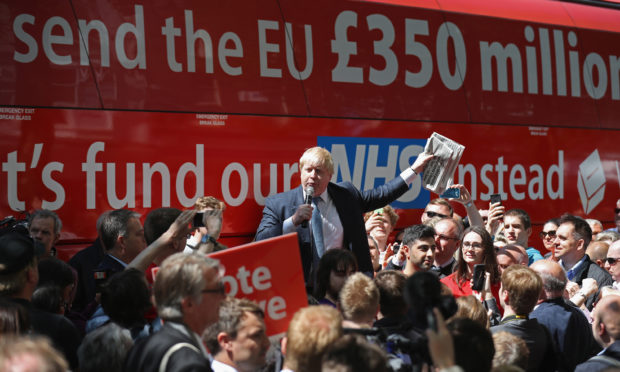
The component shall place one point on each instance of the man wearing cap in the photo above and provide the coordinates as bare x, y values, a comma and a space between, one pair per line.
19, 256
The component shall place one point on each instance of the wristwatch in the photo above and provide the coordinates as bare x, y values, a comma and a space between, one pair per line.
580, 293
208, 238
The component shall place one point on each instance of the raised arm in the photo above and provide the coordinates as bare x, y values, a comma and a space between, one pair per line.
180, 227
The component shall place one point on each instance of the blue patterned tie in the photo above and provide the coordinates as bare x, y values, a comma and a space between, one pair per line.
570, 274
317, 227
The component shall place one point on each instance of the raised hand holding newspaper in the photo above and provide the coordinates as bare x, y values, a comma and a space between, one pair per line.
439, 171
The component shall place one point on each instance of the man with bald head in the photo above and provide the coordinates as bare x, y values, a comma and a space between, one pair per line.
511, 254
447, 239
567, 324
606, 329
597, 251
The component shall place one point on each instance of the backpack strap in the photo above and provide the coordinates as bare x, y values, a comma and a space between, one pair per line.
174, 348
605, 359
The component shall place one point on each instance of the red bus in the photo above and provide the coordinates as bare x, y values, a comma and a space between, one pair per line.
139, 105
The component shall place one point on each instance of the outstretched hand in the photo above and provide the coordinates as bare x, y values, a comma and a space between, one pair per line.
464, 197
180, 226
496, 218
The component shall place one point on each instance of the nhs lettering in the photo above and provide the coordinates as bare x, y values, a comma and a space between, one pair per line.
370, 162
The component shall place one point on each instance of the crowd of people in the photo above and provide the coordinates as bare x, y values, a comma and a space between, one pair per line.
451, 293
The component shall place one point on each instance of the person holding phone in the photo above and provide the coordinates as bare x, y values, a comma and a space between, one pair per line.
379, 225
476, 249
204, 238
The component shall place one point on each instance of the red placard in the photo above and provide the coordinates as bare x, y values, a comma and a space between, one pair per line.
268, 272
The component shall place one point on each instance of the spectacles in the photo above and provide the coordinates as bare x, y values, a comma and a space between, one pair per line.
551, 233
443, 237
611, 261
472, 245
220, 289
430, 214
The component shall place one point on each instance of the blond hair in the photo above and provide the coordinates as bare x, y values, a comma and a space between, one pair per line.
205, 202
470, 307
359, 298
14, 349
388, 211
317, 156
311, 331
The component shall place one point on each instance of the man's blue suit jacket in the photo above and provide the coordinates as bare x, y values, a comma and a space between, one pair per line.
351, 205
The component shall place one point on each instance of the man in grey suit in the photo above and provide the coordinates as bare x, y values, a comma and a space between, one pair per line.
188, 292
339, 216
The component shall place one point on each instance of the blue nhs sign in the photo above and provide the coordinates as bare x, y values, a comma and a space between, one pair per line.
370, 162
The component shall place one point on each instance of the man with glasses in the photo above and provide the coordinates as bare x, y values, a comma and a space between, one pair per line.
188, 291
616, 218
611, 263
437, 208
447, 239
597, 251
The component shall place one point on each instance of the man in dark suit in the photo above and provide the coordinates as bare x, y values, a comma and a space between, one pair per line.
571, 240
606, 328
123, 239
188, 292
339, 214
85, 262
569, 327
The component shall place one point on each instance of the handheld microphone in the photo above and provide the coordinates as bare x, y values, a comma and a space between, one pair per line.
308, 201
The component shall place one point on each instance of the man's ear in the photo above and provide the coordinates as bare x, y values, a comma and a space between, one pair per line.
504, 295
56, 239
32, 275
406, 250
283, 342
581, 244
529, 232
600, 329
187, 303
120, 242
225, 341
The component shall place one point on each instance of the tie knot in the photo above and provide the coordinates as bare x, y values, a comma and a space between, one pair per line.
317, 200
